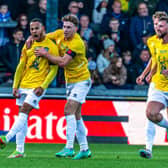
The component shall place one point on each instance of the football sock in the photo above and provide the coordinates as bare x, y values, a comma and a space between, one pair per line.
163, 123
20, 139
17, 126
81, 135
150, 134
70, 131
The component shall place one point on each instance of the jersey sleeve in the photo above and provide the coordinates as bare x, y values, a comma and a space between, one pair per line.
20, 68
54, 35
76, 48
53, 68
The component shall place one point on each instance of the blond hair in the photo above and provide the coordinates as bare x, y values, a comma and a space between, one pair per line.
71, 18
159, 14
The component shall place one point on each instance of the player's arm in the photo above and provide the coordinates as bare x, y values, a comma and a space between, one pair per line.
19, 72
61, 61
152, 72
52, 73
51, 36
139, 79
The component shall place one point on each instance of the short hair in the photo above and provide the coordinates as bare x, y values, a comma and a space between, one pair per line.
164, 18
116, 1
36, 20
17, 30
71, 18
159, 14
114, 19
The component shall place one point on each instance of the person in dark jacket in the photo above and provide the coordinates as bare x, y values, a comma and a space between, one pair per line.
140, 24
39, 11
10, 53
116, 13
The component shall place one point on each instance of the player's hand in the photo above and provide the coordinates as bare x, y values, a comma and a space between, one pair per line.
38, 91
148, 78
165, 72
29, 42
139, 80
40, 52
16, 93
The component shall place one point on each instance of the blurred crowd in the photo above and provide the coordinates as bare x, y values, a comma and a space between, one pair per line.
115, 33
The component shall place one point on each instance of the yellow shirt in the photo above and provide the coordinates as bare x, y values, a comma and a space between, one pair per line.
124, 5
35, 70
162, 63
152, 44
77, 69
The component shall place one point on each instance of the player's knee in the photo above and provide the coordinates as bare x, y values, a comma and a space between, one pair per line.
68, 110
151, 116
26, 108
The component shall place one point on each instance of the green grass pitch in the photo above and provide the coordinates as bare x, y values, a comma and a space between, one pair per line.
103, 156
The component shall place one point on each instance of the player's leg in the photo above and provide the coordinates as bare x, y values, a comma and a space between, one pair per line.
18, 125
150, 134
81, 137
153, 113
150, 130
20, 139
158, 101
69, 111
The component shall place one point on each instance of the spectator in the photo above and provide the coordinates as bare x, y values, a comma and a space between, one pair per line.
96, 80
115, 12
11, 51
23, 25
121, 39
5, 15
115, 75
84, 30
99, 12
15, 7
74, 8
133, 5
104, 59
141, 45
30, 4
128, 63
39, 11
141, 62
139, 24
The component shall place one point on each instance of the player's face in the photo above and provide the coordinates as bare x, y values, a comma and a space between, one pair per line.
162, 28
69, 29
36, 30
155, 22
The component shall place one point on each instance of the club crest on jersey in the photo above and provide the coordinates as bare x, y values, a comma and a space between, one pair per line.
64, 47
35, 63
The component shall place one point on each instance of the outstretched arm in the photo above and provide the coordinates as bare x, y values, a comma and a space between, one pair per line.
140, 78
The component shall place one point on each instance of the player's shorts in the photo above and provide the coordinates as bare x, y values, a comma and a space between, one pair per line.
78, 91
28, 96
151, 88
159, 96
